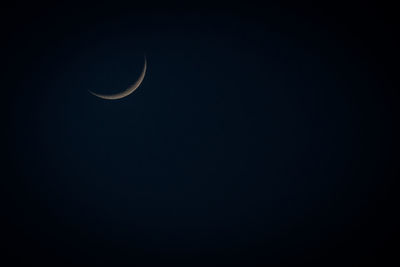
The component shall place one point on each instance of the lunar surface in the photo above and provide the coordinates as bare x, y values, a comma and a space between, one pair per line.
128, 91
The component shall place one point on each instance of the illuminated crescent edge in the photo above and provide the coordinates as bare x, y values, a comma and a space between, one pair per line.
127, 91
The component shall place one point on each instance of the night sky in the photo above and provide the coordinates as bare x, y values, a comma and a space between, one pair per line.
261, 134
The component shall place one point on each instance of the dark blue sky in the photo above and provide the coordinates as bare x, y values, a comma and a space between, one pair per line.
256, 136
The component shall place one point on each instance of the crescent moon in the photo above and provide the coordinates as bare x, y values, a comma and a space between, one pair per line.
127, 91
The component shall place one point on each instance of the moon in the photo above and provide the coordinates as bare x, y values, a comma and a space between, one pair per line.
128, 91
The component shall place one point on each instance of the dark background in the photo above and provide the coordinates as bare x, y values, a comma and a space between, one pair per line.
262, 134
